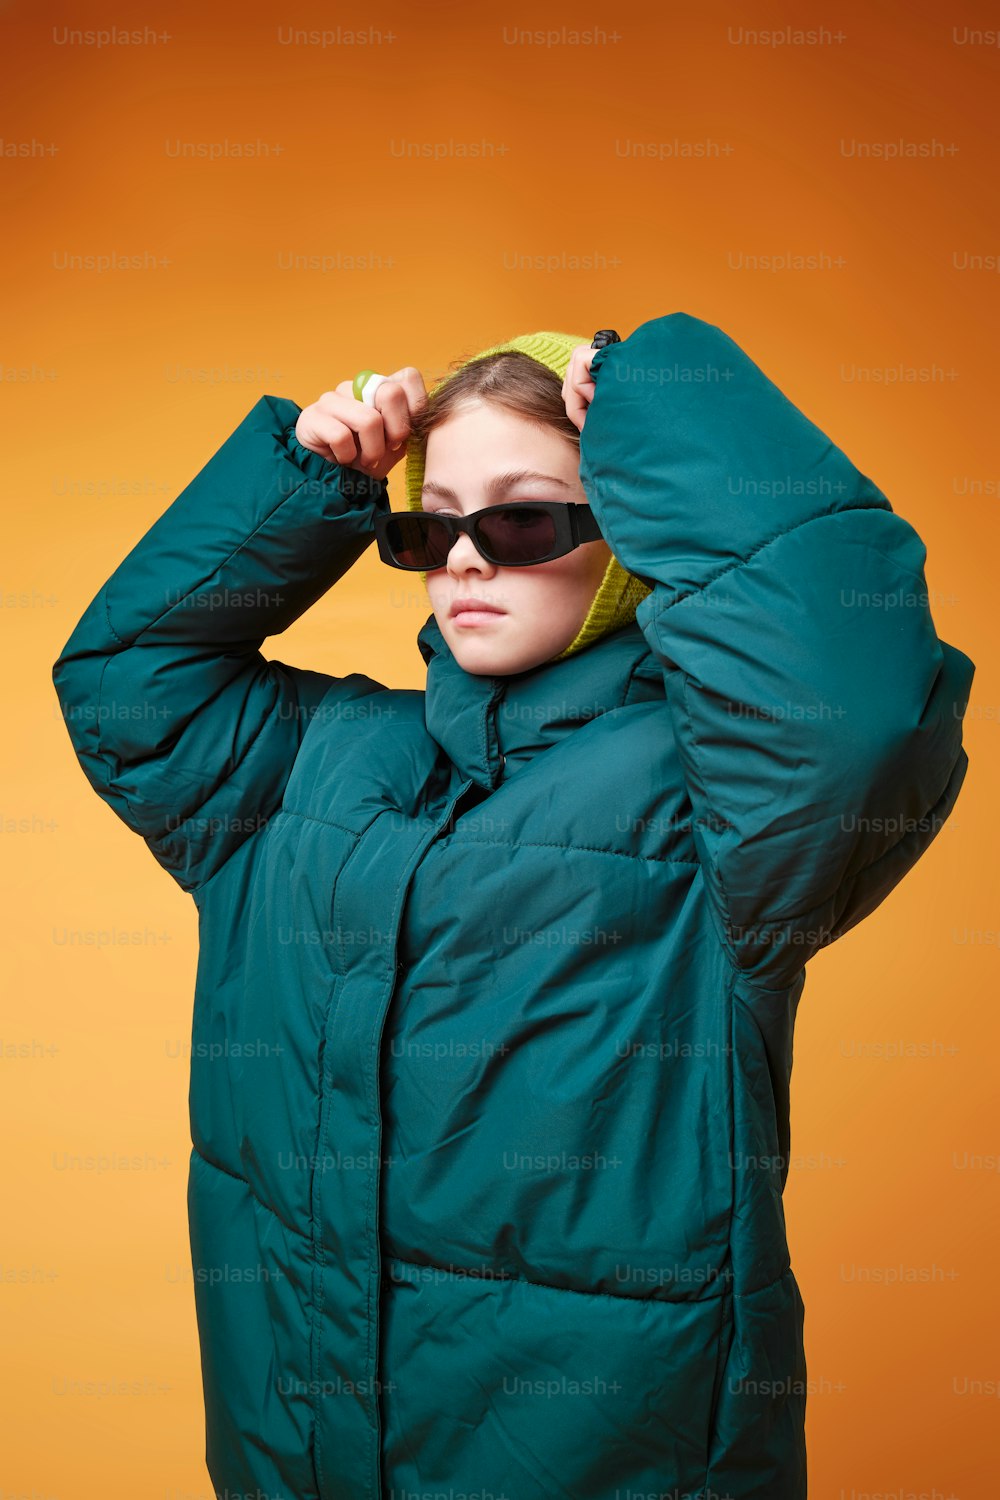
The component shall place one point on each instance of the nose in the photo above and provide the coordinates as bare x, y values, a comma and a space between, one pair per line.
463, 555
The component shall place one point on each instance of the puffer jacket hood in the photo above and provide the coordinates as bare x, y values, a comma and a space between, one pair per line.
497, 981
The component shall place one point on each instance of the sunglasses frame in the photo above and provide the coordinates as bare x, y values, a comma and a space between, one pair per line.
574, 524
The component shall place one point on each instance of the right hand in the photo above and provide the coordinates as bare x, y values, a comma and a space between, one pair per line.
371, 439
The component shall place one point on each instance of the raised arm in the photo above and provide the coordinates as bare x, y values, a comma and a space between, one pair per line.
179, 722
817, 715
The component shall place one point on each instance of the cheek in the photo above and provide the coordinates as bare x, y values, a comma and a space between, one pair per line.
591, 565
574, 579
579, 571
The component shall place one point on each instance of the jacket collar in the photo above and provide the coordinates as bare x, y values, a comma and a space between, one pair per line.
489, 727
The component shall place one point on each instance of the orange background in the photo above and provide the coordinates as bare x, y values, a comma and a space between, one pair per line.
119, 385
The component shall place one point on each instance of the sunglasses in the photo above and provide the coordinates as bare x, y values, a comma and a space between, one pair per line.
516, 535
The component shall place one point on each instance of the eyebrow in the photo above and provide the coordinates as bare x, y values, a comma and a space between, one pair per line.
498, 485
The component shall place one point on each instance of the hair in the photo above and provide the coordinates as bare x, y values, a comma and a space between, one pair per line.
512, 380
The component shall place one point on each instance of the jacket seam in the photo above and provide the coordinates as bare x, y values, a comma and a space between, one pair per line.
294, 812
664, 859
730, 1035
633, 673
728, 946
462, 1273
756, 1291
198, 890
103, 759
218, 1167
107, 615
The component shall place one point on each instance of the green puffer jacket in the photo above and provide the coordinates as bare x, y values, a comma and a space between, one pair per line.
493, 1021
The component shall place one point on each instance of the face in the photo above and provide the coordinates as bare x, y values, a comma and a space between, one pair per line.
542, 607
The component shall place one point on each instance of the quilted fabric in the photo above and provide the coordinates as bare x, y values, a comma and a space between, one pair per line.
492, 1034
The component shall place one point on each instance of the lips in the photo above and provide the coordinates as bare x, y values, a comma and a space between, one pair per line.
460, 606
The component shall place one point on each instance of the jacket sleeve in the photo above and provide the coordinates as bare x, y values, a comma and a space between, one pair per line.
178, 721
817, 715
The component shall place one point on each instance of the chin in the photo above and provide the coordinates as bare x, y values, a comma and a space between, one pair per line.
485, 658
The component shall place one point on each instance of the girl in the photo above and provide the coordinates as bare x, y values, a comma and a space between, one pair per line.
493, 1020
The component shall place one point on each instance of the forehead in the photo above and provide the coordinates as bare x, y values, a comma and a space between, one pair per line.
477, 444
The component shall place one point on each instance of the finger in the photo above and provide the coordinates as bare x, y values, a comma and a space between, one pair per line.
402, 396
396, 400
390, 403
353, 431
309, 435
579, 363
578, 387
337, 442
415, 390
364, 421
577, 400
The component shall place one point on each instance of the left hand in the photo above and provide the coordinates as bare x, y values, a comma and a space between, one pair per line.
577, 387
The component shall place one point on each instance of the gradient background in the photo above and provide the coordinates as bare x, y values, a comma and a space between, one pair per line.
586, 209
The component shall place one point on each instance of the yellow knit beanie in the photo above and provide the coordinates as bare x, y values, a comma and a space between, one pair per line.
620, 591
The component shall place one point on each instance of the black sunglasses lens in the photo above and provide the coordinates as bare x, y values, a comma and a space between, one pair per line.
418, 541
518, 533
510, 533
